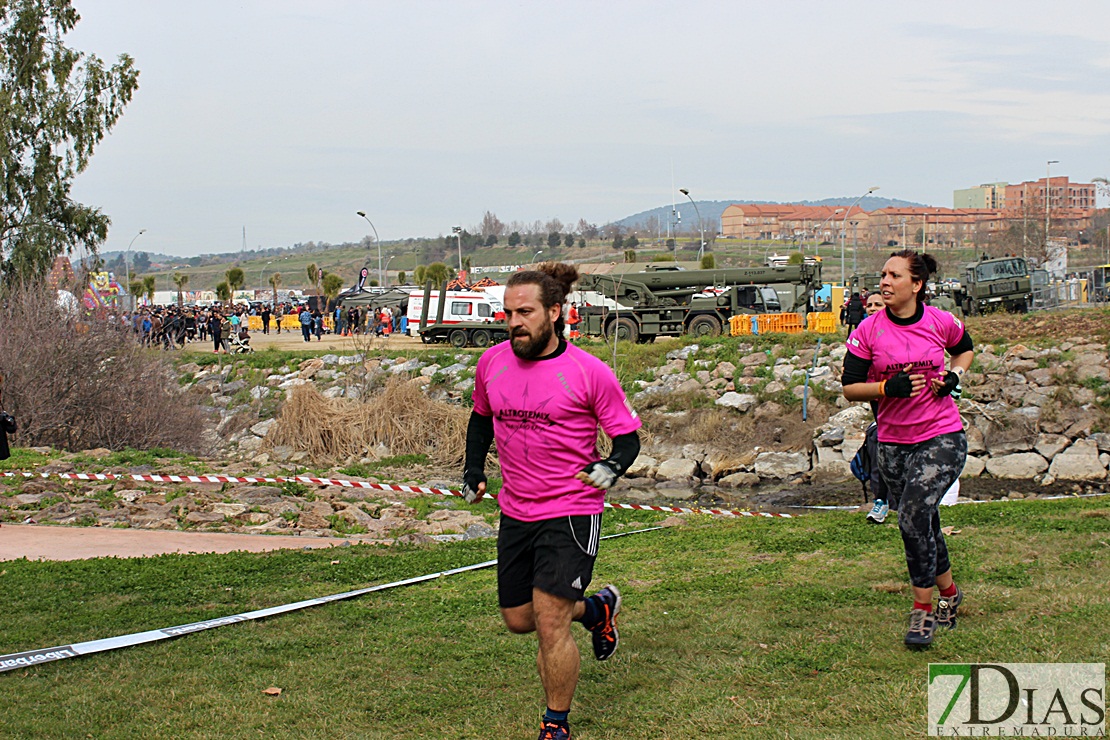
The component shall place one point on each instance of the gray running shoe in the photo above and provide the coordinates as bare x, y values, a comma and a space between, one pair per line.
922, 626
946, 609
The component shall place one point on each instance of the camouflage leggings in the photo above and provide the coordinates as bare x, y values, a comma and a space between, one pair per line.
918, 476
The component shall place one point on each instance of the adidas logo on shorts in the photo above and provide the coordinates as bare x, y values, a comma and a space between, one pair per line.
577, 583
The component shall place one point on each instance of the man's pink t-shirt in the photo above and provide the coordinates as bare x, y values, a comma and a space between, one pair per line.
891, 347
545, 418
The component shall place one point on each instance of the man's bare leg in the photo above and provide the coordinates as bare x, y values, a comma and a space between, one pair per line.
557, 659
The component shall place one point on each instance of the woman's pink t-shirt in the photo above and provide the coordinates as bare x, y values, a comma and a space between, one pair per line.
891, 347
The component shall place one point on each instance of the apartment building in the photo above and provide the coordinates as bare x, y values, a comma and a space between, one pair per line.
790, 222
1057, 193
991, 195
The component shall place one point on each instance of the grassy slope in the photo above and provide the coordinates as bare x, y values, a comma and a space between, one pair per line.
731, 629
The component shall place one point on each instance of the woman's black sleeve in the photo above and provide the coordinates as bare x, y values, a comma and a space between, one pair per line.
855, 369
964, 345
479, 437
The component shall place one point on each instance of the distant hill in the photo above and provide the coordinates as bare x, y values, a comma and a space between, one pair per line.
711, 211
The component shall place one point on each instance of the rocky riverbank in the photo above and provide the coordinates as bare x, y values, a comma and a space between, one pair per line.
723, 425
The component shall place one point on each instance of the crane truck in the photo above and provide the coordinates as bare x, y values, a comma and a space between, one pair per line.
670, 302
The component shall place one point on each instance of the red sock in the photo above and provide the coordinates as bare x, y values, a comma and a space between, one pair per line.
950, 591
927, 608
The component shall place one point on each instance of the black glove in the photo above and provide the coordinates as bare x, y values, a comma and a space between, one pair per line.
900, 386
471, 480
951, 383
957, 392
601, 474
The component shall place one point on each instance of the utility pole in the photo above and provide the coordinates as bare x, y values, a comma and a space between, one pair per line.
1047, 200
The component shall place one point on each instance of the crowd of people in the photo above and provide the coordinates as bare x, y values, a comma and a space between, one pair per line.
171, 327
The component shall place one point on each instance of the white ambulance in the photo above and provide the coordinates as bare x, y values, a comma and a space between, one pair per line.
462, 306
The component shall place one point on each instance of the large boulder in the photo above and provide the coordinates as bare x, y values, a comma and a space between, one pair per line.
1050, 445
675, 469
1017, 465
738, 401
739, 480
781, 464
973, 467
1102, 439
1078, 462
643, 467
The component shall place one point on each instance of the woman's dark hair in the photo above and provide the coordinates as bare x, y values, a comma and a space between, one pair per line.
554, 279
921, 267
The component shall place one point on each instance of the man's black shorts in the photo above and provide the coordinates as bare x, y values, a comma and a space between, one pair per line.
554, 555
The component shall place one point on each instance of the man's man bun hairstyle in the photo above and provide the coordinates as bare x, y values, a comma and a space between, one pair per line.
554, 279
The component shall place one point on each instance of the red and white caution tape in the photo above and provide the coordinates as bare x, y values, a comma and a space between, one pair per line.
156, 478
26, 659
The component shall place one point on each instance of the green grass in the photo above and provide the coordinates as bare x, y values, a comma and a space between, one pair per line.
363, 470
748, 628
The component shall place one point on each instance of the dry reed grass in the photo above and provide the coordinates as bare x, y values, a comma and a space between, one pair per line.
401, 417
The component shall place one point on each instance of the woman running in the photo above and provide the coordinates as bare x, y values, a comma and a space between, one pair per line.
922, 446
883, 502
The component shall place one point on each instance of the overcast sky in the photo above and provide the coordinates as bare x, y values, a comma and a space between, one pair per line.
287, 117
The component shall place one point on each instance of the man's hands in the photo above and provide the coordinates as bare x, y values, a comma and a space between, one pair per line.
598, 474
474, 486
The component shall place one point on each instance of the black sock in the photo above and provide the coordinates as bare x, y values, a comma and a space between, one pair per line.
592, 614
552, 716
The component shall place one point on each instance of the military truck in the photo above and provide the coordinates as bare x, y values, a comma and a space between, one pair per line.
865, 283
992, 285
668, 302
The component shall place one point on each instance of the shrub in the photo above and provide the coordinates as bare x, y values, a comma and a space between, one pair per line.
76, 382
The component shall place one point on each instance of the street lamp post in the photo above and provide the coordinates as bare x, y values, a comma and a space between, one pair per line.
262, 285
376, 241
844, 227
127, 267
1101, 183
534, 256
457, 231
818, 232
701, 227
1047, 199
387, 261
855, 248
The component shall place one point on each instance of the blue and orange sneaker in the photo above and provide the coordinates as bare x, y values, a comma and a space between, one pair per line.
605, 635
554, 731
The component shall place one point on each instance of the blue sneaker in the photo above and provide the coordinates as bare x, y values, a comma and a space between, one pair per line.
878, 512
554, 731
605, 634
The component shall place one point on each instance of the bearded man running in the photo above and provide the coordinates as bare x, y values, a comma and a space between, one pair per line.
542, 400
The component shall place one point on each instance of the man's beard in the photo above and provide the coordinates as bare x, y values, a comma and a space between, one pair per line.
528, 347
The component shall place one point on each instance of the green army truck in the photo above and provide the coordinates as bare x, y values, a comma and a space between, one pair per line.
998, 284
641, 306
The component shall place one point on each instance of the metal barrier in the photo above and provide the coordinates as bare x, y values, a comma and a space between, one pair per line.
740, 325
1061, 294
780, 323
292, 322
821, 323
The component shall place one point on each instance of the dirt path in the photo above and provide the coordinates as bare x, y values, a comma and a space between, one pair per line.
288, 340
78, 543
